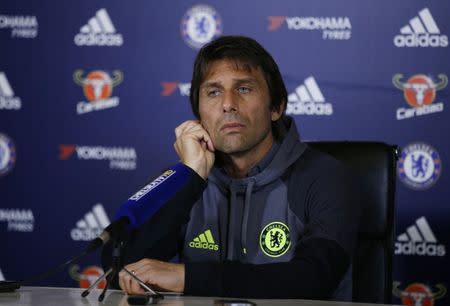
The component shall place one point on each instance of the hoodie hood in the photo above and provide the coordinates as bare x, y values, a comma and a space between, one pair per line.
289, 151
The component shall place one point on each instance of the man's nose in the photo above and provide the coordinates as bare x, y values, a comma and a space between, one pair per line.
229, 103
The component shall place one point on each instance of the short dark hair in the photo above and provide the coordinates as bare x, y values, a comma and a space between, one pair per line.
246, 52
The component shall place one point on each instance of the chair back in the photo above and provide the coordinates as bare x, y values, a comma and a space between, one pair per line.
375, 164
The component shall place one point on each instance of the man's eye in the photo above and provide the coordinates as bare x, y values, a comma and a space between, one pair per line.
213, 93
243, 89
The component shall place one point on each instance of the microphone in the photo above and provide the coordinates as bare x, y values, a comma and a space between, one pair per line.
144, 204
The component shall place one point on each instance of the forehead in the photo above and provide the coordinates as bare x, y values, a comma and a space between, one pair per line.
222, 70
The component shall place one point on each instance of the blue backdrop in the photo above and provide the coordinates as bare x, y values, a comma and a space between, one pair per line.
91, 91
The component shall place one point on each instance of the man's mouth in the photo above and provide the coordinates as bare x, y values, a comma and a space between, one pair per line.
232, 126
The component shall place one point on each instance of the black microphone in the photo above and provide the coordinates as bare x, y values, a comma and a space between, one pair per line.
113, 231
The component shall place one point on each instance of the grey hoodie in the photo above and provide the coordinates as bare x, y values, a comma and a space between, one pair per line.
294, 218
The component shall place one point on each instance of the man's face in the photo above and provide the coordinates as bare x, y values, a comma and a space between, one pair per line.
234, 108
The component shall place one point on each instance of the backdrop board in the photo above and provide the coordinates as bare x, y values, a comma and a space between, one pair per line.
91, 91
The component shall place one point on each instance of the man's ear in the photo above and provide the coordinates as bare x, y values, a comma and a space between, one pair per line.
276, 113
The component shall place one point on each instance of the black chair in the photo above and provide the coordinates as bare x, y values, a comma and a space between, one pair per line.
375, 163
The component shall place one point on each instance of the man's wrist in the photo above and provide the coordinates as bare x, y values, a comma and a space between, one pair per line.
201, 172
181, 276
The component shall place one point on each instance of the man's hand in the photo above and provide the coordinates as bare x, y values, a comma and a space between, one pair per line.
162, 275
194, 147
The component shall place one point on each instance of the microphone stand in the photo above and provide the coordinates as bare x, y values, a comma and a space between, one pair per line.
113, 271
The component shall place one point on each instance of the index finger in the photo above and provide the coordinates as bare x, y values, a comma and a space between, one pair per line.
184, 126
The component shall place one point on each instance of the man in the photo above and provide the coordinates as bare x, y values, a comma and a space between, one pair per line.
268, 217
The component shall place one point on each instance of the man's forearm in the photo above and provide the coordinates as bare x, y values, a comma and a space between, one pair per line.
315, 274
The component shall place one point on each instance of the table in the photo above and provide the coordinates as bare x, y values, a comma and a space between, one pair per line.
51, 296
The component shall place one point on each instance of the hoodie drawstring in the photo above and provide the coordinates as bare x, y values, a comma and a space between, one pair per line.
231, 216
248, 195
231, 208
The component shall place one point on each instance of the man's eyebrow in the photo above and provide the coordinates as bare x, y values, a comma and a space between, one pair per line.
211, 84
248, 80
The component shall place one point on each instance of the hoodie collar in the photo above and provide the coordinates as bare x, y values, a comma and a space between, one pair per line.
274, 163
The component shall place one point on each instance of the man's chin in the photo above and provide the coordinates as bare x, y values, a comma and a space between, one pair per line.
233, 149
229, 144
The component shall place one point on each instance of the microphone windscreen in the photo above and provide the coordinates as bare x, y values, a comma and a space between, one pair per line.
147, 201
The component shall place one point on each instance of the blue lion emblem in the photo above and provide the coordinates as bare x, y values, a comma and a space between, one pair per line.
202, 26
419, 165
